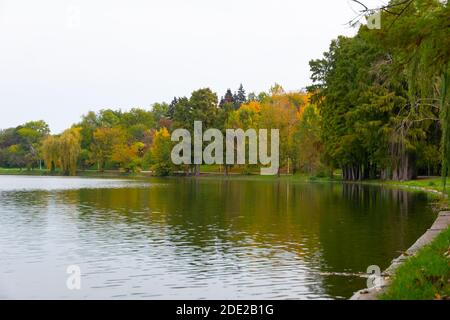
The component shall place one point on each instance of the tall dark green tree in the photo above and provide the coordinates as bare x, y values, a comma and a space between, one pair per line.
171, 110
381, 93
201, 106
227, 99
239, 97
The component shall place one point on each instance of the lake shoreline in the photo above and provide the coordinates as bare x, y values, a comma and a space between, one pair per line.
441, 225
432, 185
429, 185
153, 232
256, 178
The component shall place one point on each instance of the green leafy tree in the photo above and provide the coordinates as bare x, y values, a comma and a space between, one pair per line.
32, 134
63, 151
103, 144
240, 97
308, 141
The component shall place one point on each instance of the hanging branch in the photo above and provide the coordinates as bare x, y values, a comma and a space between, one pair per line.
389, 8
386, 8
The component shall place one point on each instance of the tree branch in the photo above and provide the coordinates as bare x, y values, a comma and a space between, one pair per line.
389, 8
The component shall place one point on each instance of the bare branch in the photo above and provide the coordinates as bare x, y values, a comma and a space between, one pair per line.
389, 8
362, 4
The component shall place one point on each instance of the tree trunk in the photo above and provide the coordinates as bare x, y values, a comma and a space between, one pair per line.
405, 169
197, 170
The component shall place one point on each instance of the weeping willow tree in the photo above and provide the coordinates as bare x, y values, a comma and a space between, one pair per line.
417, 33
50, 152
445, 122
384, 93
429, 66
69, 148
63, 151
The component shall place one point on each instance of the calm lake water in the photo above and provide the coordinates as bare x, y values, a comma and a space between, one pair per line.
199, 239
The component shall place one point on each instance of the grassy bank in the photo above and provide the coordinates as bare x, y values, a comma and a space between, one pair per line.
24, 172
213, 172
433, 185
83, 173
425, 276
206, 173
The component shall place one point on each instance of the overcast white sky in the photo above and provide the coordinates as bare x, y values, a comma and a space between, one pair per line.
62, 58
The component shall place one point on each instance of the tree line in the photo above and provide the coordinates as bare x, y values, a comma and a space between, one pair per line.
140, 139
384, 95
378, 108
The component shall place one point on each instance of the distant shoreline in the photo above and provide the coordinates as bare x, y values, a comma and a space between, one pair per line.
431, 185
148, 174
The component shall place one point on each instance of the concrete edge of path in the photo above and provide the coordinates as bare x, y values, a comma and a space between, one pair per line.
441, 224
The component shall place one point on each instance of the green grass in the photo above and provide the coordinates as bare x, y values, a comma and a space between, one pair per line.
425, 276
427, 183
15, 171
257, 176
433, 185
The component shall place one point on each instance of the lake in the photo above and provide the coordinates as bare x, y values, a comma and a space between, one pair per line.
181, 238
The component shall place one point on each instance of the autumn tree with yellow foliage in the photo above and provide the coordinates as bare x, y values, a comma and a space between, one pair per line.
63, 151
160, 153
104, 142
138, 139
